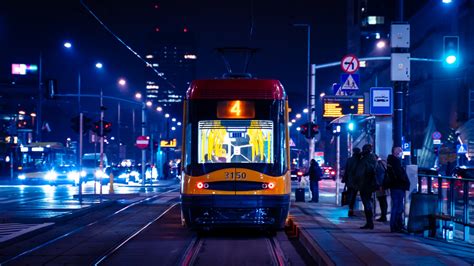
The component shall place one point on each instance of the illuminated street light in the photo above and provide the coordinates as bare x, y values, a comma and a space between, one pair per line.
293, 120
173, 128
159, 109
33, 114
21, 112
99, 65
322, 94
381, 44
67, 45
290, 124
138, 95
173, 119
305, 110
447, 1
298, 116
149, 103
179, 123
122, 82
298, 128
167, 115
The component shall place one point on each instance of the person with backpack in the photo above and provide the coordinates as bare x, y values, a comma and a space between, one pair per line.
364, 181
315, 173
380, 193
398, 182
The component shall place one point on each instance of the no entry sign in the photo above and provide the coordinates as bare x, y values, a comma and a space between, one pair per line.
350, 64
142, 142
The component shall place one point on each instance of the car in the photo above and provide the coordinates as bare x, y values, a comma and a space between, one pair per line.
64, 174
296, 174
328, 173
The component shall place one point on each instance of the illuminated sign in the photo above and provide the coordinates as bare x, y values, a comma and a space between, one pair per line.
337, 106
168, 143
235, 109
21, 69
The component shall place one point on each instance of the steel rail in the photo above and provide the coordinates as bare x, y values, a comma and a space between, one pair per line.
24, 253
113, 250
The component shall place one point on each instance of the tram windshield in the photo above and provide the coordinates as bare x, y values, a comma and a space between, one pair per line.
235, 141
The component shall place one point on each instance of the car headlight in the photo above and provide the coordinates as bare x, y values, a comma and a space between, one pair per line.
123, 176
83, 173
51, 175
22, 177
99, 174
72, 175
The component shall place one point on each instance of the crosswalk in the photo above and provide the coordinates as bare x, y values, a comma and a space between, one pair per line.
12, 230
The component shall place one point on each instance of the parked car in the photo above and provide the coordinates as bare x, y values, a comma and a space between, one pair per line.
296, 174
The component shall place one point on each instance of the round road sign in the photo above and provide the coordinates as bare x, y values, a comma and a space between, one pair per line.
350, 64
142, 142
436, 135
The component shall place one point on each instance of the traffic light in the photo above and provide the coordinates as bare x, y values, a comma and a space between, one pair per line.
86, 124
304, 129
107, 128
451, 51
314, 130
309, 130
351, 126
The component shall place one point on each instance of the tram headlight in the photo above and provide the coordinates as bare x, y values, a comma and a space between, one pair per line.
51, 175
271, 185
22, 177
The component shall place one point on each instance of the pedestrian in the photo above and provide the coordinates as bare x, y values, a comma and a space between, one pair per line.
364, 181
398, 183
347, 178
166, 170
315, 173
380, 193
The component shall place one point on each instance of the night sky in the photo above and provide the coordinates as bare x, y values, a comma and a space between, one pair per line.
30, 27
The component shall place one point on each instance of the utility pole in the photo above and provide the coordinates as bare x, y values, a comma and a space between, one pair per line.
143, 150
39, 120
102, 109
81, 132
400, 72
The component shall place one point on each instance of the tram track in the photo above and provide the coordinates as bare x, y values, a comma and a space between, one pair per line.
81, 229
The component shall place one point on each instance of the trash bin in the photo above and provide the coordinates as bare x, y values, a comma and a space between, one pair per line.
299, 195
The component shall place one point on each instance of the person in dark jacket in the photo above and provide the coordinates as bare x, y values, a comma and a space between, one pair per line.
364, 181
380, 193
398, 183
314, 174
347, 178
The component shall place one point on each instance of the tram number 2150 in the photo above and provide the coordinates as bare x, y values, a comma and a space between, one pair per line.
235, 175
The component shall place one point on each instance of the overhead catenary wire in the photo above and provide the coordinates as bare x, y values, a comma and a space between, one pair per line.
148, 64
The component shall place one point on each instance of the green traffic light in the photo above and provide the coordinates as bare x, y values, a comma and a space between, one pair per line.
351, 126
451, 59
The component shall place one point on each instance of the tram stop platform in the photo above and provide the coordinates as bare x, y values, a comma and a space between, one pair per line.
332, 238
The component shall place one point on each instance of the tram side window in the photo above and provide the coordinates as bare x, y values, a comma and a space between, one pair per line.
235, 141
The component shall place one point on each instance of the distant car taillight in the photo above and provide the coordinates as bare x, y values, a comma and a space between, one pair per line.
333, 172
299, 173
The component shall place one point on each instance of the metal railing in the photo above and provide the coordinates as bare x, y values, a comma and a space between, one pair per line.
451, 191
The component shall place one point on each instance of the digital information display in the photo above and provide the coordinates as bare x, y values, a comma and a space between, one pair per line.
337, 106
236, 109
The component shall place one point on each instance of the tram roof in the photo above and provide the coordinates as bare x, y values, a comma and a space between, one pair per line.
265, 89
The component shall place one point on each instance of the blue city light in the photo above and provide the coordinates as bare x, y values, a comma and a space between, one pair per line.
99, 65
447, 1
67, 45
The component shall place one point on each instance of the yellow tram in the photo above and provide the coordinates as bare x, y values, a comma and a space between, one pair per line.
235, 154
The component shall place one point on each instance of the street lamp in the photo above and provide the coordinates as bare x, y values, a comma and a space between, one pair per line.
67, 45
159, 109
99, 65
138, 95
122, 82
381, 44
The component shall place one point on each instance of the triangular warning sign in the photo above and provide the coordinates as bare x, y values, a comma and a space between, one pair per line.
350, 84
292, 143
462, 149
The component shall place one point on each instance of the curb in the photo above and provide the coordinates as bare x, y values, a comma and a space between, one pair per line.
309, 244
26, 235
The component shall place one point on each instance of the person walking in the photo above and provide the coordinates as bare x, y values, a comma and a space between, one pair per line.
398, 183
347, 178
364, 181
315, 173
380, 193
